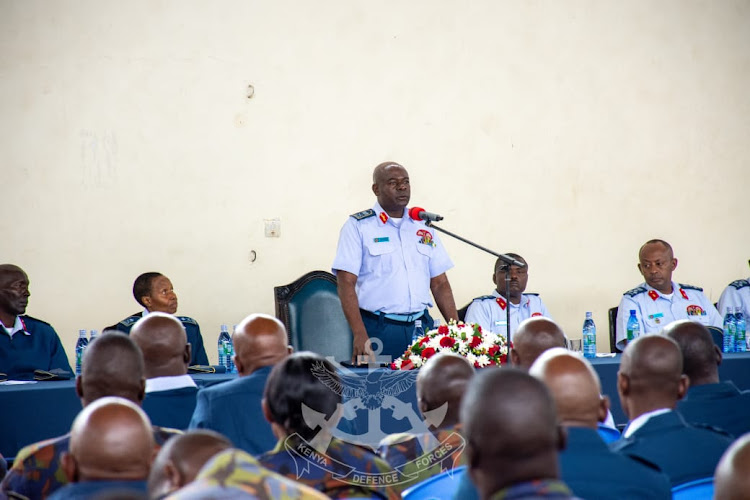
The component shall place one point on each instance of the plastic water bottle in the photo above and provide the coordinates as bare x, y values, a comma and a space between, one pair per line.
730, 331
223, 339
81, 345
633, 328
418, 332
229, 354
740, 341
94, 335
589, 336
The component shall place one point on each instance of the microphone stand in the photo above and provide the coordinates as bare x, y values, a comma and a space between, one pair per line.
509, 261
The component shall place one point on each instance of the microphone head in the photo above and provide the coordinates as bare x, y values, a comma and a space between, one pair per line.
414, 212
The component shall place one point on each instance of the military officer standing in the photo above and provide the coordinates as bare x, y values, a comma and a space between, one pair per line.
386, 266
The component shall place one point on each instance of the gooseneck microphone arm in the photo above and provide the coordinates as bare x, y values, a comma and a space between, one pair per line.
508, 260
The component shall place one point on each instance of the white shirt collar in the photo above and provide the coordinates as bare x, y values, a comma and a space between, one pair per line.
18, 326
157, 384
641, 420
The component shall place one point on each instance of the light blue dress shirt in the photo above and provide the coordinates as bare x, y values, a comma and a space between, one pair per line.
737, 294
488, 312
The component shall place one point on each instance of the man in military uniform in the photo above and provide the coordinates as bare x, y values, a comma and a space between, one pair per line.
386, 265
154, 292
659, 300
490, 311
736, 294
26, 344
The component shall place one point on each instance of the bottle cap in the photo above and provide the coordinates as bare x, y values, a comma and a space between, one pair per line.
632, 312
588, 314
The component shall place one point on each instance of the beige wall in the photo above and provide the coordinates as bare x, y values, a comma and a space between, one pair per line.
127, 143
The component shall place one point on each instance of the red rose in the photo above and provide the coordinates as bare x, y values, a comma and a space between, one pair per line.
393, 366
424, 340
406, 364
427, 353
475, 341
447, 342
476, 364
503, 358
443, 329
493, 351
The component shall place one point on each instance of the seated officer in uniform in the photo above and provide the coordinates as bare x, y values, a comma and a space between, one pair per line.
26, 343
659, 300
490, 311
154, 292
736, 294
387, 264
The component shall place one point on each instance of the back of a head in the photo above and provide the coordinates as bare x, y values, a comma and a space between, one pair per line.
297, 381
653, 365
180, 459
112, 366
700, 356
111, 439
163, 342
574, 385
259, 340
443, 380
533, 337
510, 424
732, 478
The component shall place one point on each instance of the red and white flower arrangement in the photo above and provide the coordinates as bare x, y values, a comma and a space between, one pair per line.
467, 339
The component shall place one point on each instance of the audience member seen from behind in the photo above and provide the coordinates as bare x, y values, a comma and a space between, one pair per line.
233, 408
441, 385
300, 401
650, 382
534, 336
26, 344
170, 391
708, 400
732, 480
111, 449
154, 292
112, 366
587, 465
659, 300
513, 437
490, 311
180, 459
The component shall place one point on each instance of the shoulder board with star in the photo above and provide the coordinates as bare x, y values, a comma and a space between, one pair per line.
188, 320
635, 291
34, 320
364, 214
690, 287
740, 284
483, 297
131, 320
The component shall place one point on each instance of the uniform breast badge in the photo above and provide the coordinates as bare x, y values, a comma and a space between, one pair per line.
426, 237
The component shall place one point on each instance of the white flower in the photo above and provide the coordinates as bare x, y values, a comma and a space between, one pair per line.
482, 360
471, 358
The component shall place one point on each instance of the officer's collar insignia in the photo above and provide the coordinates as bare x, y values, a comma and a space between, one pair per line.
684, 295
501, 302
653, 294
383, 217
23, 327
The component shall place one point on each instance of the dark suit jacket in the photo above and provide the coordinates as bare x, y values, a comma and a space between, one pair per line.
172, 408
593, 471
718, 405
684, 452
233, 409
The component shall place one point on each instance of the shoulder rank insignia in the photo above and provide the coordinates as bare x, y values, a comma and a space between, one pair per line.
130, 320
484, 297
690, 287
635, 291
740, 284
364, 214
188, 320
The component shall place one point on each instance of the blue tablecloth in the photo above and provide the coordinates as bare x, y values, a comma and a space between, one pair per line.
30, 413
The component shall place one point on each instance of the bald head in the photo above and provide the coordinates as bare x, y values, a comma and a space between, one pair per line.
6, 269
533, 337
701, 357
650, 375
259, 340
443, 379
112, 366
163, 342
510, 423
574, 385
180, 459
111, 439
732, 478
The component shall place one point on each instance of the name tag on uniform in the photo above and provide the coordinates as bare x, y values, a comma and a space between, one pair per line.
656, 317
381, 240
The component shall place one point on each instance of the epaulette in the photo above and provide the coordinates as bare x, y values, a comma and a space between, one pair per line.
36, 319
690, 287
130, 320
364, 214
717, 430
483, 297
187, 319
635, 291
740, 284
531, 293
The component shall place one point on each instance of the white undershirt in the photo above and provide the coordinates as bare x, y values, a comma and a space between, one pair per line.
157, 384
641, 420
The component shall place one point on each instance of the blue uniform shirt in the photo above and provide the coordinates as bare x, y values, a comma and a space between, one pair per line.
36, 347
489, 312
393, 262
737, 294
654, 311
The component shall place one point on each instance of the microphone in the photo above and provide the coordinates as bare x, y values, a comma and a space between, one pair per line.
418, 213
